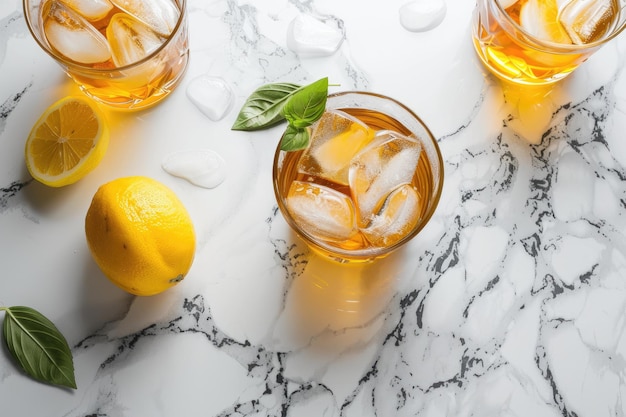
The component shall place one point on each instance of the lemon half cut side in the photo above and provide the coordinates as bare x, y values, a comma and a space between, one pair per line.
67, 142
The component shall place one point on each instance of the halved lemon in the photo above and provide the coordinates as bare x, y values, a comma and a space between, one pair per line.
67, 142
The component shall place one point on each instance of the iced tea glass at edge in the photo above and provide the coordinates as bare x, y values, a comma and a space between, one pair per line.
381, 114
512, 50
132, 86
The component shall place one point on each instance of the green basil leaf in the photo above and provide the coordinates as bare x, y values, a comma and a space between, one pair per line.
294, 138
307, 105
38, 346
264, 106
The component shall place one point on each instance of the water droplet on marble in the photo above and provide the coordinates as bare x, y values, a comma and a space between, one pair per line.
422, 15
311, 37
212, 95
204, 168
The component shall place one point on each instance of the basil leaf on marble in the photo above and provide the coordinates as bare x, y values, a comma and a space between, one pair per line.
38, 346
307, 104
294, 138
263, 108
273, 103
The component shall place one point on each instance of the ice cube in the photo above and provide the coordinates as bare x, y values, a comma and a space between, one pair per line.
388, 162
335, 139
587, 20
130, 39
311, 37
321, 211
91, 9
212, 95
73, 36
398, 216
160, 15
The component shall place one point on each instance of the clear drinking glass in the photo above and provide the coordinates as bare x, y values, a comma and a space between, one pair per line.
97, 47
369, 181
539, 42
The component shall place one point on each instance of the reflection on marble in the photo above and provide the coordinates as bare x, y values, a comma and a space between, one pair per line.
511, 302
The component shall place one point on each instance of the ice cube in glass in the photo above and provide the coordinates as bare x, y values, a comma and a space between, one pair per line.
587, 20
397, 217
335, 139
91, 9
388, 162
321, 211
160, 15
130, 39
73, 36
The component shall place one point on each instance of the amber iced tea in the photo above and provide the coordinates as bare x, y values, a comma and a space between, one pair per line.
366, 184
542, 41
125, 53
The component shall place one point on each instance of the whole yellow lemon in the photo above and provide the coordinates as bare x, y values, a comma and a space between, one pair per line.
140, 235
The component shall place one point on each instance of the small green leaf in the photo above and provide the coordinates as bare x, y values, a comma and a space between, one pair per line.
38, 346
264, 106
295, 138
307, 105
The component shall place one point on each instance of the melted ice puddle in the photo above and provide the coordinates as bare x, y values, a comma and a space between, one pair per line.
422, 15
311, 37
211, 95
204, 168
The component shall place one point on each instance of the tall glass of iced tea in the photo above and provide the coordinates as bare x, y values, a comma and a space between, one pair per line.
539, 42
128, 54
368, 182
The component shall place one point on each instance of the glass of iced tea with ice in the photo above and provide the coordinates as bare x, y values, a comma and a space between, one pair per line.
368, 182
128, 54
539, 42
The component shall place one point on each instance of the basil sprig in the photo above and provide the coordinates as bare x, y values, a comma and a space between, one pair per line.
38, 346
300, 106
264, 106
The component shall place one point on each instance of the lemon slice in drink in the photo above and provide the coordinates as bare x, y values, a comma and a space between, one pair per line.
540, 19
67, 142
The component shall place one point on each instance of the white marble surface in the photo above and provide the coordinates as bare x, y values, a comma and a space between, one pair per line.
510, 303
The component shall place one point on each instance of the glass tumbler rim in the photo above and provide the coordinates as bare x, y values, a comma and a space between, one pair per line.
559, 47
346, 255
38, 35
